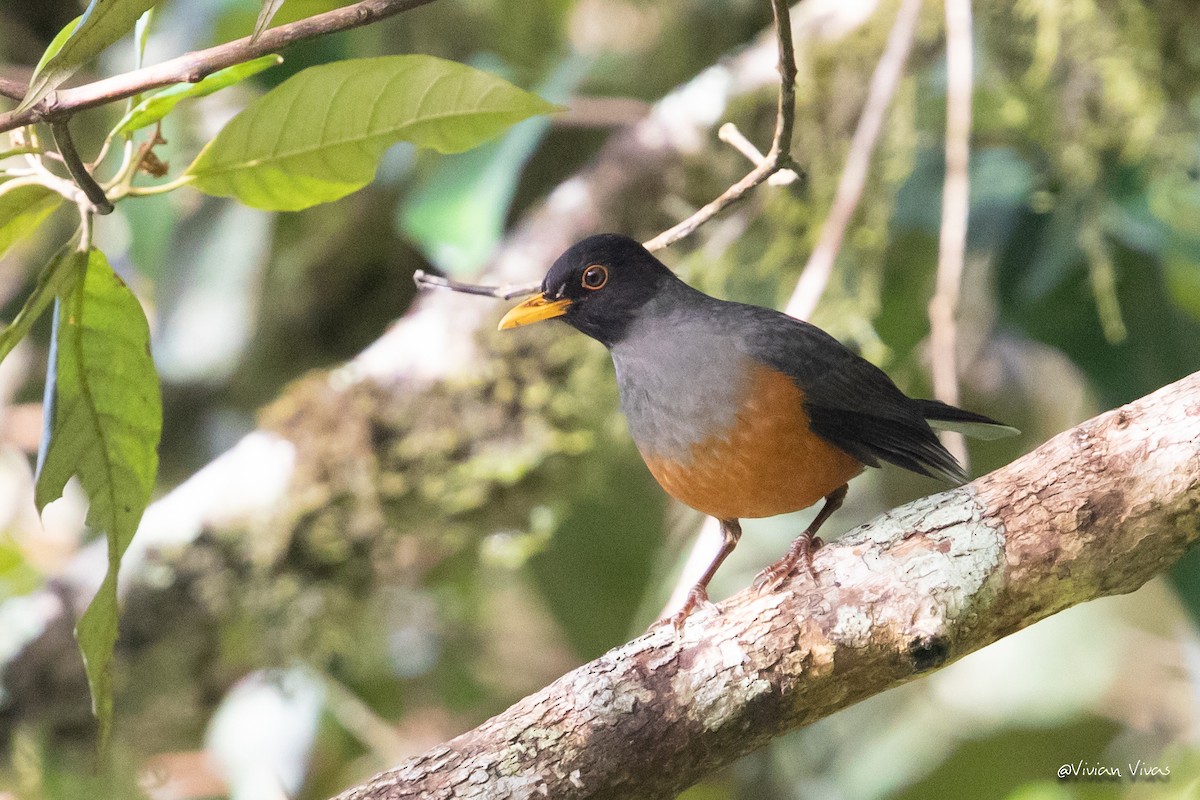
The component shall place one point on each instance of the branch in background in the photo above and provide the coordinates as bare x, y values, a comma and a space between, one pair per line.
601, 112
952, 245
1098, 510
854, 176
193, 67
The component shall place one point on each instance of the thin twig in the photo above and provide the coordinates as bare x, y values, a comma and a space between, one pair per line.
506, 292
943, 308
25, 142
83, 178
732, 136
779, 157
41, 174
193, 67
858, 160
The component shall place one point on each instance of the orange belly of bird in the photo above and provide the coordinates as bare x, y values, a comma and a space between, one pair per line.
768, 462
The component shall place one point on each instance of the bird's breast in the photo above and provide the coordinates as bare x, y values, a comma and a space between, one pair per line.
729, 436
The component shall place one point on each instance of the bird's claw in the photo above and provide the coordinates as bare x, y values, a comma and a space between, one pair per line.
697, 599
801, 551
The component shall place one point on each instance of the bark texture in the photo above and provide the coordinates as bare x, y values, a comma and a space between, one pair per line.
1097, 510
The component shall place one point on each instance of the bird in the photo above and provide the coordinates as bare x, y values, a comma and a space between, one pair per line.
740, 411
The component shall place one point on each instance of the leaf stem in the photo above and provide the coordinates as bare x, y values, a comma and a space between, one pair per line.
161, 188
27, 150
130, 161
83, 178
17, 183
85, 228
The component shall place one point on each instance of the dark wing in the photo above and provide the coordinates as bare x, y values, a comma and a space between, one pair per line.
850, 402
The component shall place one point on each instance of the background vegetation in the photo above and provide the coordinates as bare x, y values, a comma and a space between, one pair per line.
511, 530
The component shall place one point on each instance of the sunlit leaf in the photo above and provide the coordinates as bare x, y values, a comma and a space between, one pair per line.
141, 32
56, 276
22, 210
159, 104
103, 423
57, 43
269, 8
104, 22
319, 135
457, 211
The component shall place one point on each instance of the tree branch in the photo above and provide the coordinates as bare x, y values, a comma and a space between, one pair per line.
193, 67
1097, 510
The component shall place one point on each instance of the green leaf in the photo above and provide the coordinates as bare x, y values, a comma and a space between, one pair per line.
456, 211
22, 210
319, 135
141, 32
159, 104
57, 43
269, 8
104, 417
56, 277
104, 22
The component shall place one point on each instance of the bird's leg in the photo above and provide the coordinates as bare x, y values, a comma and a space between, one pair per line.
731, 531
802, 549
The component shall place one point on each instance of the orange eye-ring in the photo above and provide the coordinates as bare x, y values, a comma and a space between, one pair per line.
594, 277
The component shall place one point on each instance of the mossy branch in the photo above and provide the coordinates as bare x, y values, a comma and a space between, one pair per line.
1098, 510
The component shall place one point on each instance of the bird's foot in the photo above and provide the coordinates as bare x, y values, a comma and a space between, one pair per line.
801, 551
697, 598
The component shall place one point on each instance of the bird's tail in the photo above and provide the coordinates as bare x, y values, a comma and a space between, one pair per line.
943, 417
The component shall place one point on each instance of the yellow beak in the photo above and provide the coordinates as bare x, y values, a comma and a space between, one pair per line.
535, 309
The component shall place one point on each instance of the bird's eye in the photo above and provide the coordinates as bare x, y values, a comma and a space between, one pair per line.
594, 277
